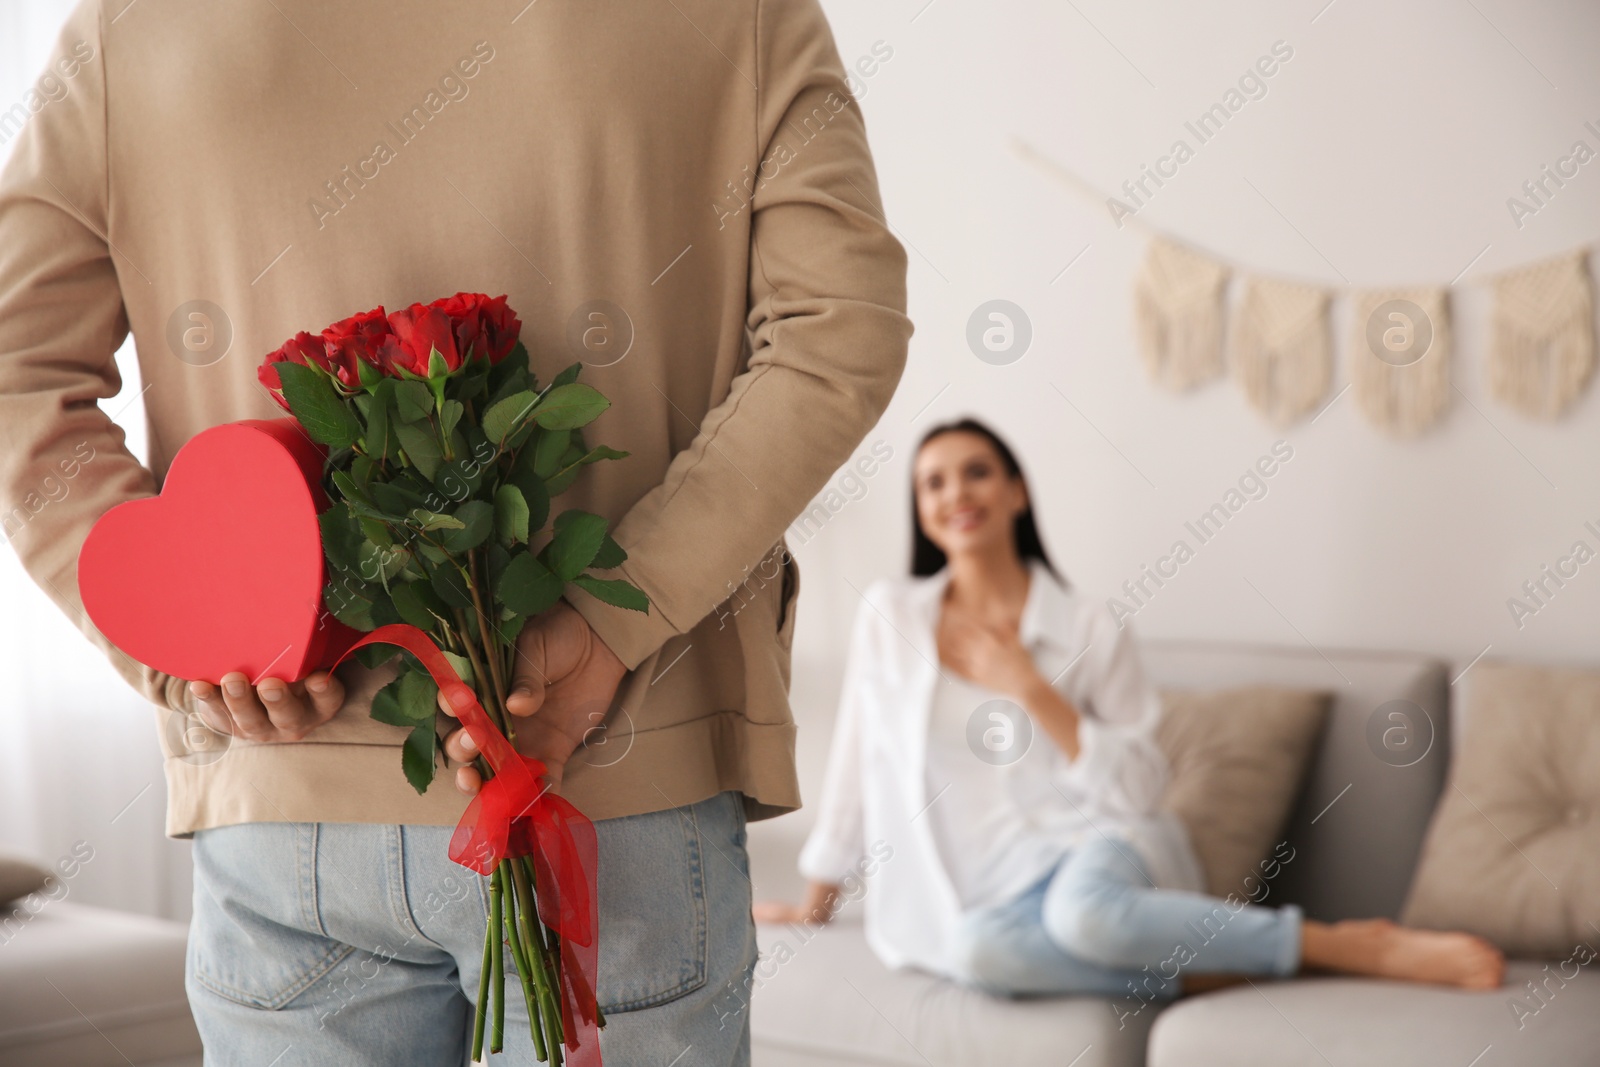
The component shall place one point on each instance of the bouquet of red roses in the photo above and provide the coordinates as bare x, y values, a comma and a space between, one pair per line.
444, 455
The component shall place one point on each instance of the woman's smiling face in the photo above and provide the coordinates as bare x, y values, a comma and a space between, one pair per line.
966, 499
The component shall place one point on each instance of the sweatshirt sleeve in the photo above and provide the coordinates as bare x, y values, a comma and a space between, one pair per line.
837, 841
63, 462
827, 298
1120, 768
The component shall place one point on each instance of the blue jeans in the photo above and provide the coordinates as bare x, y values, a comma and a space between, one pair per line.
355, 944
1096, 925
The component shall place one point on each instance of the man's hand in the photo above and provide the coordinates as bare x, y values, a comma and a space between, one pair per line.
561, 686
275, 710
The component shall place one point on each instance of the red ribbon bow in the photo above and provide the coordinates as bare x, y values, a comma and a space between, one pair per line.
513, 815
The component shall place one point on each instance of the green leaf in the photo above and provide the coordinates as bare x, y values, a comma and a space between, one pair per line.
413, 400
498, 560
408, 602
450, 415
528, 587
451, 585
386, 703
376, 563
516, 363
506, 382
560, 483
510, 515
506, 416
326, 417
567, 376
537, 495
342, 597
419, 757
548, 450
578, 537
348, 487
459, 479
614, 591
379, 437
433, 520
422, 447
374, 656
390, 498
376, 531
383, 612
362, 468
341, 538
510, 627
462, 665
567, 406
594, 455
478, 519
610, 555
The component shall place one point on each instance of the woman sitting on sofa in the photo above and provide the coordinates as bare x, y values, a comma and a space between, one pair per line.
995, 745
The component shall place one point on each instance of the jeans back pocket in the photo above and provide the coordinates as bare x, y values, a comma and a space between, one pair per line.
653, 905
255, 937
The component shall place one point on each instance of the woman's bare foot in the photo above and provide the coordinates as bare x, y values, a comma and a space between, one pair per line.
1382, 949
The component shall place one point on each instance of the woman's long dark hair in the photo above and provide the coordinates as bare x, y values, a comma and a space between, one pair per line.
928, 558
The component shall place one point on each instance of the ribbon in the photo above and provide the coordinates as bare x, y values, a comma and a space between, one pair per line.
513, 815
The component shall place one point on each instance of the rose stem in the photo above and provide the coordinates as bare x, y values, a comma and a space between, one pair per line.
519, 954
497, 985
491, 637
483, 995
535, 942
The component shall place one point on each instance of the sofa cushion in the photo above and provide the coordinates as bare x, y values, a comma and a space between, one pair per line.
1375, 774
1514, 850
822, 997
1538, 1016
91, 987
1236, 758
19, 877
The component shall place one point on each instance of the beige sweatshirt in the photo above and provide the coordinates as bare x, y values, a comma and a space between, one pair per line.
679, 193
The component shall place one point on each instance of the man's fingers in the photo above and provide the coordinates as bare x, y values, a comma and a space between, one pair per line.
459, 747
326, 693
529, 668
468, 780
250, 719
208, 703
291, 714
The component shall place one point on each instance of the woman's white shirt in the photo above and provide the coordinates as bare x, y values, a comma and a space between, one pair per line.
953, 829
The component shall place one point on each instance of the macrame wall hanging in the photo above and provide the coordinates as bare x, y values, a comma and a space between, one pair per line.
1400, 358
1279, 351
1178, 308
1542, 352
1278, 348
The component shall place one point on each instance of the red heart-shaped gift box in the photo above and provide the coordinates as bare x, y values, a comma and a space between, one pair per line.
223, 571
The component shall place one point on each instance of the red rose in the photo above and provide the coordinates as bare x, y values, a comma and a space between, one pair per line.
418, 332
484, 326
303, 348
358, 339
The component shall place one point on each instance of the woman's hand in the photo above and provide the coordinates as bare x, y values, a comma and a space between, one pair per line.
274, 710
989, 656
821, 898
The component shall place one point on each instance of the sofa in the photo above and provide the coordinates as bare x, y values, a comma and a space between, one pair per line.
1358, 827
83, 986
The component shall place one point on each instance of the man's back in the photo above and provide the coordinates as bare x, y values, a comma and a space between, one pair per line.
678, 193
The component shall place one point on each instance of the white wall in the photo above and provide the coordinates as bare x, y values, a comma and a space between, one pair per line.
1383, 152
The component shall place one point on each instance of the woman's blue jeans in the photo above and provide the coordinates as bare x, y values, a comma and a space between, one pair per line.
352, 944
1096, 925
